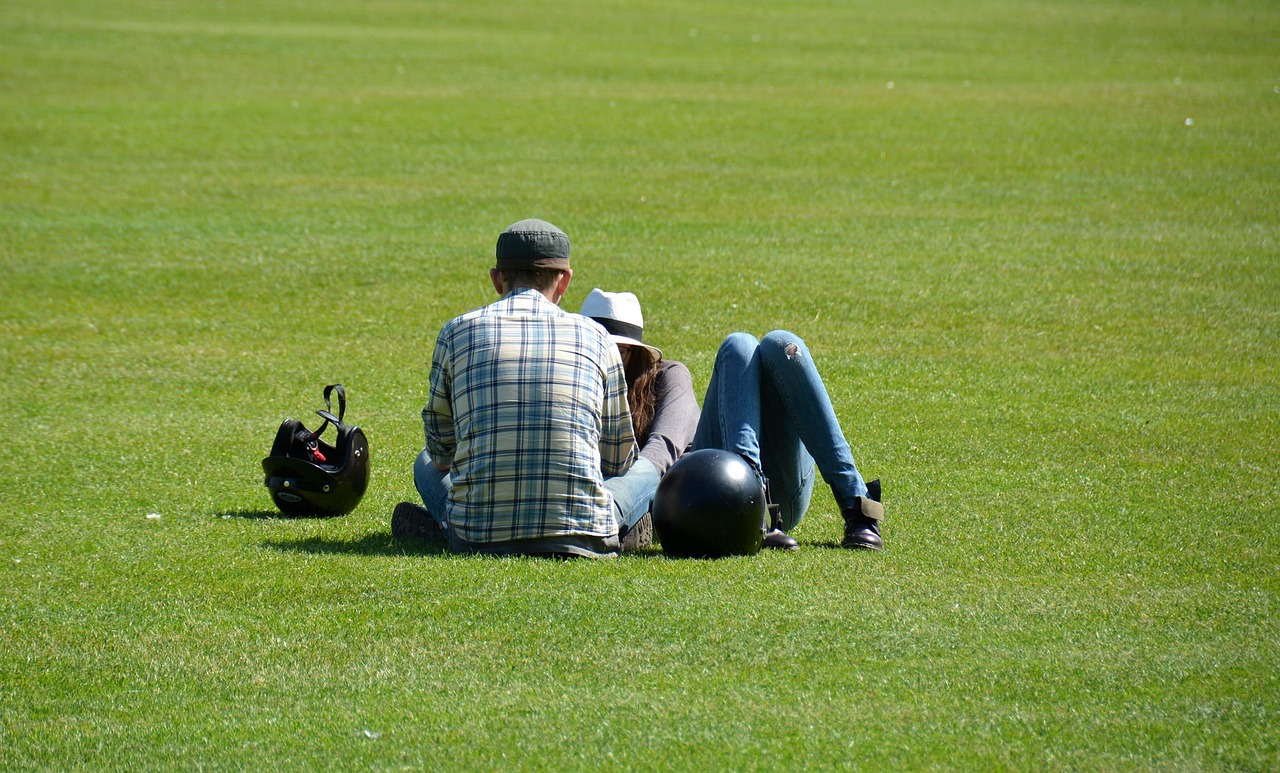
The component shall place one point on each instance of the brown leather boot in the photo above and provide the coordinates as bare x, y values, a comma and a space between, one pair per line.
776, 538
862, 521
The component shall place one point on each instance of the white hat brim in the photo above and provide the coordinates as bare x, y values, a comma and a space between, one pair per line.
655, 351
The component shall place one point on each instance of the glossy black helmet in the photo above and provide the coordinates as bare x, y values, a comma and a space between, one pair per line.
710, 504
308, 476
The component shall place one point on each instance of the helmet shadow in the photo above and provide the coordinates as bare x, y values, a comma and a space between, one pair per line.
271, 515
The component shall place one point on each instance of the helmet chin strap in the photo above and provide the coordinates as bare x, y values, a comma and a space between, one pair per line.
327, 415
310, 441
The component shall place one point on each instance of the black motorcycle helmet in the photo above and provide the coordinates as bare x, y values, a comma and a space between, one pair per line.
710, 504
307, 476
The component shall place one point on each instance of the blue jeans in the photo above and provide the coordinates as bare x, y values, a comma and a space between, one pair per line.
632, 493
766, 401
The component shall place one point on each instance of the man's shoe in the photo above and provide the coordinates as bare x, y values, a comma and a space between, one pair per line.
777, 539
410, 521
639, 536
862, 521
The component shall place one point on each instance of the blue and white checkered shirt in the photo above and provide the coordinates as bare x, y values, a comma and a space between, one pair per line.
529, 405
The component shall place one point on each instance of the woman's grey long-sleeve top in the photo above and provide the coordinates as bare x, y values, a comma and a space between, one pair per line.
675, 418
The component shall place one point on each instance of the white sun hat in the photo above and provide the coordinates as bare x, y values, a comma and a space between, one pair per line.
619, 313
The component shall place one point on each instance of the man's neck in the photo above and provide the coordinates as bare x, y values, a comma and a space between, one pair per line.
549, 296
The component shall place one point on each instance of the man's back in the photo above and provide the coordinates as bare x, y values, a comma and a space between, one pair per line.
528, 404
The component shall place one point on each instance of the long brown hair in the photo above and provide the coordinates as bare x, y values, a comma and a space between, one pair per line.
642, 372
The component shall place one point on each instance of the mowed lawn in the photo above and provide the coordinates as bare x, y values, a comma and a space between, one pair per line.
1034, 246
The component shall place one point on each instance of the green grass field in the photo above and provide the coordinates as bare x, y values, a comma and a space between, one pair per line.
1034, 244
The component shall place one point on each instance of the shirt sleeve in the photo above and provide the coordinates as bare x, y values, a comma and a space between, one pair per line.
675, 419
617, 437
437, 415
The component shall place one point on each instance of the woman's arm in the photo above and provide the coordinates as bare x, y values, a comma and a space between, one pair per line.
676, 417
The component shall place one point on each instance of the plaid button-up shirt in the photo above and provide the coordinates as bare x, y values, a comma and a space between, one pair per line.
528, 404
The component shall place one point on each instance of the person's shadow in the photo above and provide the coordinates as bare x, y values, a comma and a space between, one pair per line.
383, 544
376, 544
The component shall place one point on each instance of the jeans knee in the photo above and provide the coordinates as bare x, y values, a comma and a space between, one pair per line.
421, 466
783, 345
738, 346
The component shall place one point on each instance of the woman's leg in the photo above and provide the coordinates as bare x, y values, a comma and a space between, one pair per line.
786, 462
798, 407
731, 409
733, 420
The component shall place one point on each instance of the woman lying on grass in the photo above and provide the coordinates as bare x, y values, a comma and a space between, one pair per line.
766, 402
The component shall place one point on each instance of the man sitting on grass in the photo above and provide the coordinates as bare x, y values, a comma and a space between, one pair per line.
526, 419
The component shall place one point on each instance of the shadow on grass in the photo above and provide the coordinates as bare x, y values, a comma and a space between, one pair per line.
383, 544
386, 545
804, 546
378, 544
835, 547
272, 515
